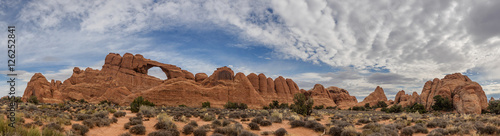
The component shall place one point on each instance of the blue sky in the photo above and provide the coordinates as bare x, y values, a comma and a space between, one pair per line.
356, 45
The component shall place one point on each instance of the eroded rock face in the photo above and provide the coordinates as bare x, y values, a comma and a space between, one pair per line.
375, 97
123, 78
405, 99
331, 96
467, 96
492, 99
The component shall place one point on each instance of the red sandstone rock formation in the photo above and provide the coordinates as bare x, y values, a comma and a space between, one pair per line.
331, 96
467, 96
375, 97
492, 99
405, 99
124, 78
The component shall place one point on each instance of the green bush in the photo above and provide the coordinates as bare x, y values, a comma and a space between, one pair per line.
302, 105
416, 108
205, 104
330, 107
182, 105
274, 105
33, 100
319, 107
442, 104
358, 108
284, 106
231, 105
494, 106
381, 104
394, 109
367, 106
138, 102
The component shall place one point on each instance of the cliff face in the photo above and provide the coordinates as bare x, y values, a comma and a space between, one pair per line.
123, 78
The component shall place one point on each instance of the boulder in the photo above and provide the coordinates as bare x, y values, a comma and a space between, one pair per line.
200, 77
467, 96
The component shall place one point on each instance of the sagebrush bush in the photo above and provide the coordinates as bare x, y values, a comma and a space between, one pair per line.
165, 125
193, 123
314, 126
138, 130
51, 132
364, 120
334, 131
266, 123
257, 119
350, 131
253, 126
119, 114
297, 123
53, 126
79, 129
200, 132
147, 111
187, 129
138, 102
246, 133
407, 131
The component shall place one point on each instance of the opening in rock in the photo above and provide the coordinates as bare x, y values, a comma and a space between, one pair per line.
157, 72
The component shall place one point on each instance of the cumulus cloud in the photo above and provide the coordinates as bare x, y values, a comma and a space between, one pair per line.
413, 40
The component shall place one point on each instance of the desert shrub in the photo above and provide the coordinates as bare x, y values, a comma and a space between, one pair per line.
442, 104
419, 128
330, 107
364, 120
284, 106
274, 105
187, 129
407, 131
358, 108
437, 123
160, 133
265, 123
280, 132
114, 120
487, 130
231, 105
101, 114
147, 111
379, 129
314, 126
138, 102
349, 131
395, 109
216, 123
438, 132
53, 126
246, 133
135, 121
416, 108
163, 117
381, 104
200, 131
297, 123
138, 130
225, 123
257, 119
253, 126
165, 125
51, 132
208, 117
126, 125
82, 116
79, 129
205, 104
367, 106
193, 123
119, 114
494, 106
302, 104
234, 115
33, 99
276, 117
319, 107
334, 131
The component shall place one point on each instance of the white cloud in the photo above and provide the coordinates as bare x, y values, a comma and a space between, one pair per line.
419, 40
